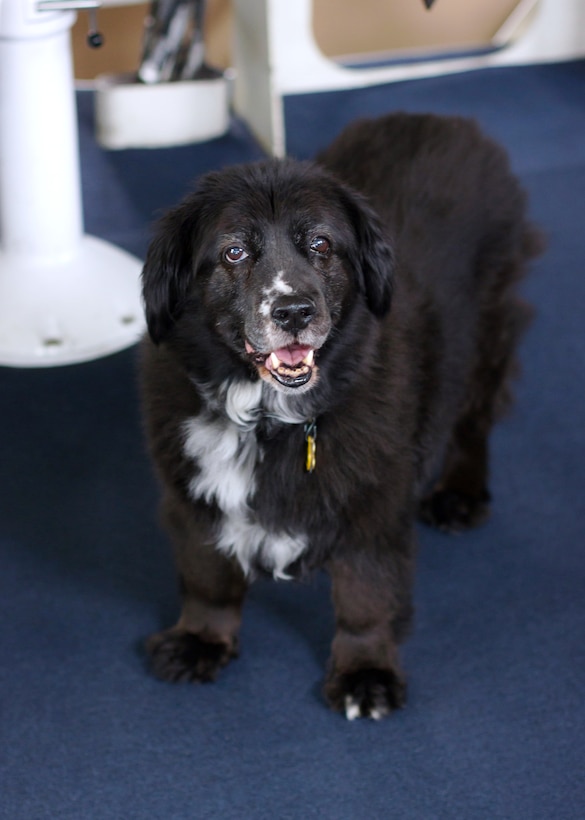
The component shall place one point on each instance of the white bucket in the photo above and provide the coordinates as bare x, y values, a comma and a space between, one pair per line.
130, 114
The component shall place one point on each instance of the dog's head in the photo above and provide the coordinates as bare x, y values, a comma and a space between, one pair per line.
271, 256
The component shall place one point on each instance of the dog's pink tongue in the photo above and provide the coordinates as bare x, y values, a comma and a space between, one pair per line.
292, 355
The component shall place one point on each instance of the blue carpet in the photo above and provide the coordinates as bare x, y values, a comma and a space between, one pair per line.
495, 726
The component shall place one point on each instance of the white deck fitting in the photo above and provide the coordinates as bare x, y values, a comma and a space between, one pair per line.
276, 54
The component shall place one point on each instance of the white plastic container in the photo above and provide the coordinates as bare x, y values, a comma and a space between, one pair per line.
130, 114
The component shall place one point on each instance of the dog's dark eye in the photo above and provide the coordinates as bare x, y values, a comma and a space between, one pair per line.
235, 254
321, 245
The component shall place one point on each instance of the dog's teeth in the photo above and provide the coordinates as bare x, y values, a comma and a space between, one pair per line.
308, 360
275, 361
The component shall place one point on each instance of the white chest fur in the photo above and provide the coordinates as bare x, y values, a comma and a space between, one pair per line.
226, 452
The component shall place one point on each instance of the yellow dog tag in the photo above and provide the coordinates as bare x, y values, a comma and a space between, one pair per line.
311, 439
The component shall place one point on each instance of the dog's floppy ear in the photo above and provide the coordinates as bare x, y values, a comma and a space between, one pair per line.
169, 269
373, 255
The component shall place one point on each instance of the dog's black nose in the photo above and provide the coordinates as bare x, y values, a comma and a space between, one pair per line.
293, 313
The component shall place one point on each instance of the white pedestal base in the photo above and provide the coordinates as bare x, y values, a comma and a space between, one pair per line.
64, 297
77, 309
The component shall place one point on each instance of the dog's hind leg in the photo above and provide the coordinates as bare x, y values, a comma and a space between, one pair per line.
460, 499
212, 588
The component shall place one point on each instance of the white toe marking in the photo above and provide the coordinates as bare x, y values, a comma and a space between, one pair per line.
352, 709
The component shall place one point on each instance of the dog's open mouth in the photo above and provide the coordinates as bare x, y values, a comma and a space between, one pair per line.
291, 366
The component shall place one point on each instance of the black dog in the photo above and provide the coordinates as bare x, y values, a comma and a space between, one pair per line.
322, 366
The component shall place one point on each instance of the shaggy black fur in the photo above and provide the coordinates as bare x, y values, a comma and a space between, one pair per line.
406, 293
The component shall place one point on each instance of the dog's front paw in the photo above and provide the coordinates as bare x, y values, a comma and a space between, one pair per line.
452, 511
178, 656
366, 693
